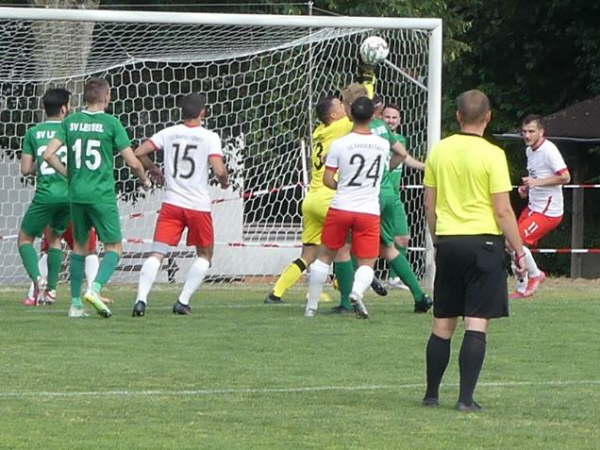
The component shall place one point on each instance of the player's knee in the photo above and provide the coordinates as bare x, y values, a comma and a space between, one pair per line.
204, 253
24, 238
116, 248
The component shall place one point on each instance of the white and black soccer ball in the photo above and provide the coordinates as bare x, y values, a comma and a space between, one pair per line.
374, 50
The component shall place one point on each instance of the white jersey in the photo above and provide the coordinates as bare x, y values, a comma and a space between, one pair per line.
545, 161
186, 152
360, 160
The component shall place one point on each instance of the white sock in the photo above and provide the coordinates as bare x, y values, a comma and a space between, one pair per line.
319, 271
43, 265
362, 280
193, 280
532, 268
147, 277
91, 269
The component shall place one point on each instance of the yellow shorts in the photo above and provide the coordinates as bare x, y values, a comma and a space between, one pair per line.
314, 210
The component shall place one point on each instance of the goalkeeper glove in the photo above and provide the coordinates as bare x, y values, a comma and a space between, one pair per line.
366, 74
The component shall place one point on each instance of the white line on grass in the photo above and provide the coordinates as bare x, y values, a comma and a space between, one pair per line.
203, 392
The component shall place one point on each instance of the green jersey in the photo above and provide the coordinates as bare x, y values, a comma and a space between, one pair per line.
380, 128
92, 139
395, 176
51, 187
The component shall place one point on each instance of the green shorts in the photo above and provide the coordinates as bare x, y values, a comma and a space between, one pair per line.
103, 217
41, 215
393, 217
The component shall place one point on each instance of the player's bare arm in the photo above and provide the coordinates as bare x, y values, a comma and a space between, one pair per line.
430, 202
554, 180
154, 171
329, 178
27, 165
220, 170
52, 159
413, 163
399, 155
135, 165
505, 217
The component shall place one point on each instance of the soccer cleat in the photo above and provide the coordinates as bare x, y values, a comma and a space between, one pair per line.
359, 307
181, 309
310, 312
38, 291
341, 310
273, 299
378, 287
139, 309
396, 283
430, 402
534, 283
94, 300
423, 305
517, 295
30, 301
473, 407
49, 297
77, 313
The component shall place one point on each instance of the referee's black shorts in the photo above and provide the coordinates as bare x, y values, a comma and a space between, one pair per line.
470, 277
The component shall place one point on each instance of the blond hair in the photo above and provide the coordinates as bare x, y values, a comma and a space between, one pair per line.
353, 91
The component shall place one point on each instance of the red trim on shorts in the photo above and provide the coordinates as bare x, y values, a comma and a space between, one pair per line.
562, 171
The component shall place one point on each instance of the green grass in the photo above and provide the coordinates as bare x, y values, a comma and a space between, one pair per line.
238, 374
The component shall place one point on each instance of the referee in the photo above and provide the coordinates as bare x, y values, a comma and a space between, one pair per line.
468, 211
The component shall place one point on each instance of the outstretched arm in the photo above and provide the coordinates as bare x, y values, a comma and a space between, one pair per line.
154, 171
399, 155
27, 165
136, 166
414, 163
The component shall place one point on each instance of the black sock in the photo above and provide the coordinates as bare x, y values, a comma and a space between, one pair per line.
470, 361
437, 356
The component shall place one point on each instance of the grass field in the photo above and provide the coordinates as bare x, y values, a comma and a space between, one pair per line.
239, 374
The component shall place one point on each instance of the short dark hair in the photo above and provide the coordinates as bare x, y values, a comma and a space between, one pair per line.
323, 108
393, 106
95, 90
54, 99
192, 105
378, 102
539, 120
473, 106
362, 110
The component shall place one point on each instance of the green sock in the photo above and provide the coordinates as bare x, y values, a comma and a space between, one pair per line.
401, 267
344, 272
30, 261
55, 256
76, 271
107, 267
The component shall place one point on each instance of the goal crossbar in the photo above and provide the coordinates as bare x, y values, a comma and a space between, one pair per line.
301, 21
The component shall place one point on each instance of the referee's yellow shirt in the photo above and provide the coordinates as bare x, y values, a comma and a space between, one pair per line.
466, 169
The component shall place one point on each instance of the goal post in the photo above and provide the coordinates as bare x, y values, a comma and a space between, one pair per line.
262, 75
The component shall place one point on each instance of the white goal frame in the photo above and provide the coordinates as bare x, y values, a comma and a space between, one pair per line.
432, 25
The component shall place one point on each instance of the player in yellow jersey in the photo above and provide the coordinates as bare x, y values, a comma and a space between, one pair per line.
334, 124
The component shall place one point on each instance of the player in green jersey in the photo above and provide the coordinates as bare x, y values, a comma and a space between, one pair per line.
50, 204
394, 226
92, 138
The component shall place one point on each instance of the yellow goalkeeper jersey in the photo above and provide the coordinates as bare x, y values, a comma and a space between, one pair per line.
323, 136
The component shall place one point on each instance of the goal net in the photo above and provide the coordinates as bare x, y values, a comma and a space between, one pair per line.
262, 76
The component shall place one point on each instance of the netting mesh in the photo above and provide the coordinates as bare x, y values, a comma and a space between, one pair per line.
261, 83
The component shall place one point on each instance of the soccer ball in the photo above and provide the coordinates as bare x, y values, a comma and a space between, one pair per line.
374, 50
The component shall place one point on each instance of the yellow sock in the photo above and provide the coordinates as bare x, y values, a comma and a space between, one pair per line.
289, 277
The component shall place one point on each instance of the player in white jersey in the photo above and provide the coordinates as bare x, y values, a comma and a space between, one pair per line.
359, 159
188, 150
547, 172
